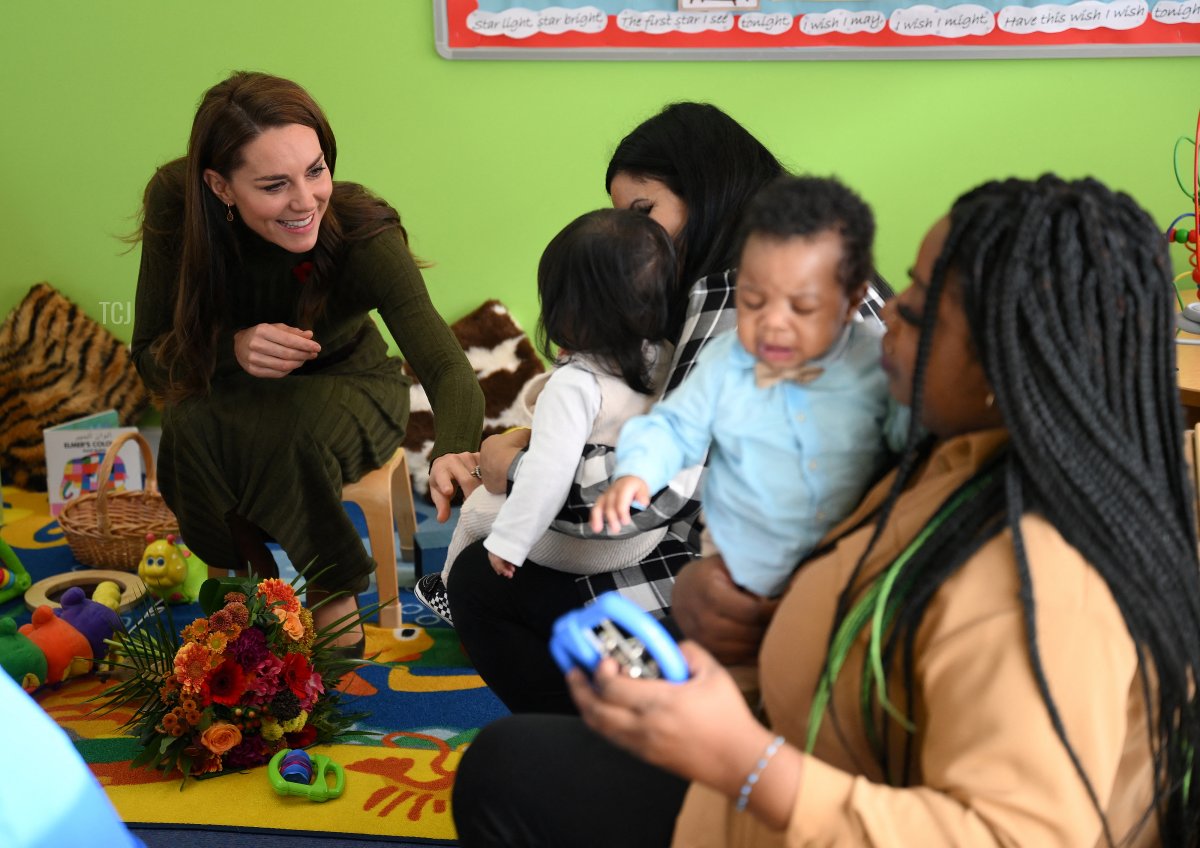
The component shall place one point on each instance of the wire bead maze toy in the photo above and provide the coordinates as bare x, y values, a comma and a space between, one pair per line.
1189, 316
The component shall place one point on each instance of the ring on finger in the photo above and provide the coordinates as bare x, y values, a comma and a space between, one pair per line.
477, 473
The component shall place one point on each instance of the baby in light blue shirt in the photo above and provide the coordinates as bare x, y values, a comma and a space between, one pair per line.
792, 408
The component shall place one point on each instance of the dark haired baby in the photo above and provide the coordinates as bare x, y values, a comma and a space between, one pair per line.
792, 409
605, 284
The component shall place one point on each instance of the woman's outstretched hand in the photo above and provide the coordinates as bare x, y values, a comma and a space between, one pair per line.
710, 608
700, 730
448, 471
273, 350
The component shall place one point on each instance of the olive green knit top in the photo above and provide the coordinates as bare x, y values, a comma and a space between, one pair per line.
377, 273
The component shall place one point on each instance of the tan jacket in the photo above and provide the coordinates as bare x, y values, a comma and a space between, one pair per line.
988, 766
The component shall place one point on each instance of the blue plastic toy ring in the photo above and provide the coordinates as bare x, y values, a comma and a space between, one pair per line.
318, 788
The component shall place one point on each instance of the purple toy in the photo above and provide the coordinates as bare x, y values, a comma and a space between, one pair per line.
94, 620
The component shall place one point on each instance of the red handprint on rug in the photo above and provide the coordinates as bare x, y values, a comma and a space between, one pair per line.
402, 785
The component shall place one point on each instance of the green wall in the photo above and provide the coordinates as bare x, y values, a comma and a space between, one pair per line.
487, 160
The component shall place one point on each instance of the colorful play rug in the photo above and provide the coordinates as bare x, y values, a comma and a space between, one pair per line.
426, 711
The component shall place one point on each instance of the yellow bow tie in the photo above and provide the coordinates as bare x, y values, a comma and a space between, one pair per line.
765, 376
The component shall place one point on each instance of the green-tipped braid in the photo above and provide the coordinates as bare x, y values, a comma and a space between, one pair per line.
873, 605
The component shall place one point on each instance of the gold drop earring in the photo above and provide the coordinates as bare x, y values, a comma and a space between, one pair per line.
229, 213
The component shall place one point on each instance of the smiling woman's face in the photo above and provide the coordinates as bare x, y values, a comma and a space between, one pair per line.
282, 188
956, 390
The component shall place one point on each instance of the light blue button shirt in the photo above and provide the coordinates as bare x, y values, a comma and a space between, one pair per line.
787, 462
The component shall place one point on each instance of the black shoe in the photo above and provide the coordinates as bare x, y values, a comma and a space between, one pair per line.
431, 591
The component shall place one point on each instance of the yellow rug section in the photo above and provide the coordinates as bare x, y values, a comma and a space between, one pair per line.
388, 792
398, 786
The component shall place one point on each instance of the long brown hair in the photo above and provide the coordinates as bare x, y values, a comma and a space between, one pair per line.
231, 115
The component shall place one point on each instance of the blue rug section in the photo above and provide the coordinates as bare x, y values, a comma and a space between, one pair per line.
452, 714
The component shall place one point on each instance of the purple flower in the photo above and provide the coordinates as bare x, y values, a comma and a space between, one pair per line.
250, 649
253, 751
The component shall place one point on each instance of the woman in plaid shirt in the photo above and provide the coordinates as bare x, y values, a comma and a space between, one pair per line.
693, 169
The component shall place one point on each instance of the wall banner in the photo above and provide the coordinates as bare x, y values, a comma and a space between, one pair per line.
813, 29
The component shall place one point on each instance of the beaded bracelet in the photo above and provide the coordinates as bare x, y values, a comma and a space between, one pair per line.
752, 778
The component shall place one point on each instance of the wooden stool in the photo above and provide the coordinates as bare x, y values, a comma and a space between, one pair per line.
385, 498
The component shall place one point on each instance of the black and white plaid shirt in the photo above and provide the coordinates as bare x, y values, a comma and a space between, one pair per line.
649, 583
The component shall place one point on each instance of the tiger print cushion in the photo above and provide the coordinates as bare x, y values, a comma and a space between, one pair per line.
57, 364
504, 361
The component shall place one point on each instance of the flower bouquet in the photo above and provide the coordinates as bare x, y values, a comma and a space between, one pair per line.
233, 688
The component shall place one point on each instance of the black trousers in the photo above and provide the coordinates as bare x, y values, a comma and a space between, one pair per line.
505, 628
547, 781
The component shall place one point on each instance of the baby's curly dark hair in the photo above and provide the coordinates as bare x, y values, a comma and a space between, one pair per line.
803, 207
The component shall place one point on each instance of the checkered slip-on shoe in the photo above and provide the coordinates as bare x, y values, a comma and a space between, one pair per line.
431, 591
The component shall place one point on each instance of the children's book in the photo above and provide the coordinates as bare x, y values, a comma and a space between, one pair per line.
75, 450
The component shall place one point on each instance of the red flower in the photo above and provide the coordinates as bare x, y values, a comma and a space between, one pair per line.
297, 672
302, 738
203, 695
301, 271
227, 683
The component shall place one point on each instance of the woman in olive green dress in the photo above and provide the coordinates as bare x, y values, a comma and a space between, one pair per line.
257, 276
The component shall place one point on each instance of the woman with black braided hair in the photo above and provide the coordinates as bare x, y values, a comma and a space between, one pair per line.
1000, 647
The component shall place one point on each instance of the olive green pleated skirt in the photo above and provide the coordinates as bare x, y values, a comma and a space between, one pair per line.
277, 452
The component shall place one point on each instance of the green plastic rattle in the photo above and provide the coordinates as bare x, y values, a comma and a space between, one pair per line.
291, 772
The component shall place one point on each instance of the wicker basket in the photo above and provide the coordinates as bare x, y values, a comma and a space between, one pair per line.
107, 529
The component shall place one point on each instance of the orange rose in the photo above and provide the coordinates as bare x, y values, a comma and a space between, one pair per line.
220, 737
292, 625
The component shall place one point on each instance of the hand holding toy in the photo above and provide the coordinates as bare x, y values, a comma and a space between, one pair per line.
616, 627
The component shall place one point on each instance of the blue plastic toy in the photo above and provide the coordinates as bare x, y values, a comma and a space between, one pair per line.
616, 627
292, 772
